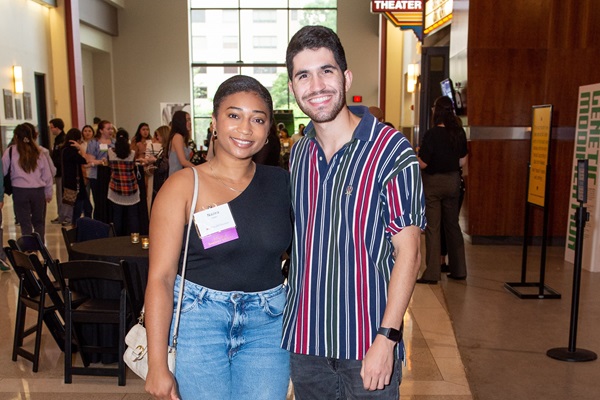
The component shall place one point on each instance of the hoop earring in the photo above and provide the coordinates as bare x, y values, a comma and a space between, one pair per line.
267, 141
214, 135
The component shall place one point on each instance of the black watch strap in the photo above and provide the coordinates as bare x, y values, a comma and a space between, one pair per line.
390, 333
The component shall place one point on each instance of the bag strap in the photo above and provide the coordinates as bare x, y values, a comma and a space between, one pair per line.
185, 255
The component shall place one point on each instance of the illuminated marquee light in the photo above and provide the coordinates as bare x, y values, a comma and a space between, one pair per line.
403, 14
437, 14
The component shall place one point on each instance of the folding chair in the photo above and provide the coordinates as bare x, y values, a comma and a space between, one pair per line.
101, 309
31, 295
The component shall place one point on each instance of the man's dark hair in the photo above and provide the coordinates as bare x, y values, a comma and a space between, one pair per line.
58, 123
315, 37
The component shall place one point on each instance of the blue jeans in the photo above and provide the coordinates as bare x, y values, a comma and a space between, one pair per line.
228, 345
322, 378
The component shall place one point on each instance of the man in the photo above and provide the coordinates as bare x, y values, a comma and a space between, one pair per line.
359, 211
57, 127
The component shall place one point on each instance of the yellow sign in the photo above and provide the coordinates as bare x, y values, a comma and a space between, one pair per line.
541, 129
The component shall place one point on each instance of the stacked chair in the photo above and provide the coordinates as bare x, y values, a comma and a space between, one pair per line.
52, 288
33, 295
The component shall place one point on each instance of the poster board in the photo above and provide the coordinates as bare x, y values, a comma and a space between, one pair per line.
587, 146
541, 130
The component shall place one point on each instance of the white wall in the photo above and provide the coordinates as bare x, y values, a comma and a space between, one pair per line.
358, 30
24, 29
151, 62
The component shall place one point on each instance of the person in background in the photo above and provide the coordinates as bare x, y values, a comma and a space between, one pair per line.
31, 178
57, 127
140, 140
4, 266
234, 292
44, 150
298, 135
87, 134
157, 166
123, 192
99, 173
209, 132
359, 210
74, 158
178, 151
377, 113
270, 154
441, 154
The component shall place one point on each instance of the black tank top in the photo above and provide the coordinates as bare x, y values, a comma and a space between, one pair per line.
252, 262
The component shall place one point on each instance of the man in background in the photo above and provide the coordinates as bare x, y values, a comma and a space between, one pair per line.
57, 128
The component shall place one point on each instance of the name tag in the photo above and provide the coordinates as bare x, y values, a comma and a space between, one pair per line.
215, 226
103, 147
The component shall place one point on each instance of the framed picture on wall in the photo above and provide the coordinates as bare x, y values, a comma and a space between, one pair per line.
18, 109
27, 105
8, 104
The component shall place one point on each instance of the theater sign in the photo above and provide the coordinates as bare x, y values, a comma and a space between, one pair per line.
403, 14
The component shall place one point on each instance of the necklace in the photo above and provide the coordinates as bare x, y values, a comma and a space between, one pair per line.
223, 183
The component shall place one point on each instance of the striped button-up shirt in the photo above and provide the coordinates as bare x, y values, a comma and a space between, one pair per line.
346, 212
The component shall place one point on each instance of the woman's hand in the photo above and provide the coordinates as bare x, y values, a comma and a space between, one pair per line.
76, 144
160, 383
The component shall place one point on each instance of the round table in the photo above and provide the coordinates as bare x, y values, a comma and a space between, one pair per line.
112, 249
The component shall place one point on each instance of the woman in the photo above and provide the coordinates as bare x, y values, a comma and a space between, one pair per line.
99, 174
177, 148
73, 178
31, 178
442, 153
158, 164
123, 191
235, 286
140, 140
87, 134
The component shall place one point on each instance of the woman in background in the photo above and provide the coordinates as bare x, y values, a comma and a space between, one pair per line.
443, 151
31, 178
178, 151
140, 140
99, 173
158, 164
123, 192
87, 134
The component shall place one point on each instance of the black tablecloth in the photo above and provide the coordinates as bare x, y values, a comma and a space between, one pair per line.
113, 249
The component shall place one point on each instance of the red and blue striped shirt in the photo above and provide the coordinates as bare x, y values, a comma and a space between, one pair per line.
346, 212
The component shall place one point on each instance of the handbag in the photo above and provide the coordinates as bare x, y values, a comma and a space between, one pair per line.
136, 354
69, 196
8, 189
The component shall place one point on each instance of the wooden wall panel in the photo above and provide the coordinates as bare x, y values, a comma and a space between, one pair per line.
530, 52
519, 24
504, 84
496, 187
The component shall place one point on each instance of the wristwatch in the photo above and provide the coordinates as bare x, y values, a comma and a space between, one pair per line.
393, 334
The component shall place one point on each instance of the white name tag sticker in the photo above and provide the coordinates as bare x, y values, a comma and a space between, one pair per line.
103, 147
215, 226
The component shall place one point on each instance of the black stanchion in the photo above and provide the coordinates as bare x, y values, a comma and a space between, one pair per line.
572, 353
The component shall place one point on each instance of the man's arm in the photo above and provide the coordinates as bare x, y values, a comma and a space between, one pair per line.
378, 362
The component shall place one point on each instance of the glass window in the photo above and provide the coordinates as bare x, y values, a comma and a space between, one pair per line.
265, 70
264, 16
231, 70
248, 37
230, 42
264, 42
198, 16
